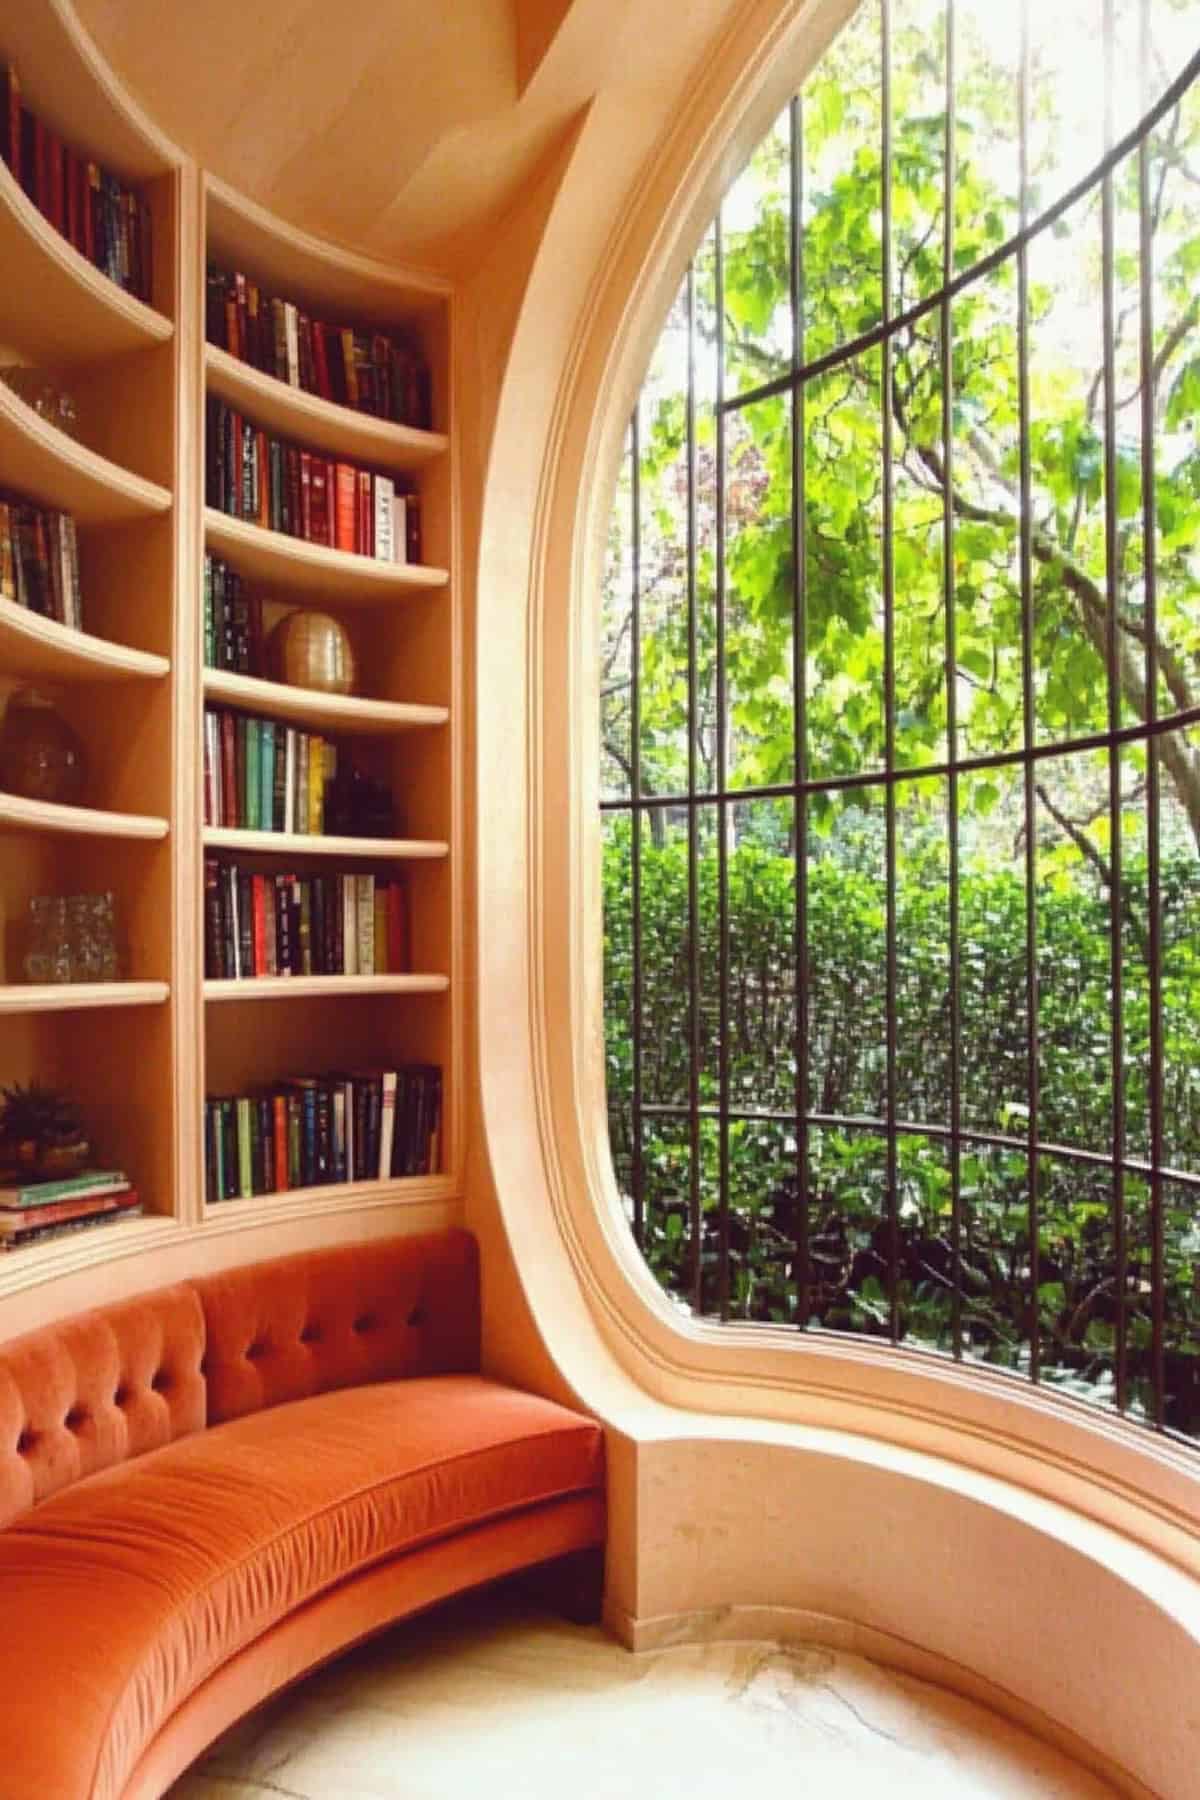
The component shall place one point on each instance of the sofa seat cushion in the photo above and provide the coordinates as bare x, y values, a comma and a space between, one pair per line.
166, 1566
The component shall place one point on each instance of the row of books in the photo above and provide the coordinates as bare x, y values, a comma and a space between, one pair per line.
280, 486
39, 561
105, 220
364, 1125
342, 924
32, 1212
233, 621
374, 372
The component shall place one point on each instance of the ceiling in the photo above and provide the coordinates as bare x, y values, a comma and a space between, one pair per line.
403, 130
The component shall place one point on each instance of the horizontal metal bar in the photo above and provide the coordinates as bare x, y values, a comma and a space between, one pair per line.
996, 1140
967, 765
867, 340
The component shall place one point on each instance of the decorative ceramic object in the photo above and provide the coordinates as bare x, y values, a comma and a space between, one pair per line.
47, 399
311, 650
40, 756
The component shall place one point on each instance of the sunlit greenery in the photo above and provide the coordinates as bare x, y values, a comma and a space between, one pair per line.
899, 437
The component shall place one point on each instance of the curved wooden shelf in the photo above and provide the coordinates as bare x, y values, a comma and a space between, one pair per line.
74, 996
18, 814
344, 713
297, 414
63, 310
292, 563
291, 843
38, 459
34, 1263
308, 987
331, 1197
46, 650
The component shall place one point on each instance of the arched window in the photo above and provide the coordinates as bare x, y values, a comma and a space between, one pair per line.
900, 712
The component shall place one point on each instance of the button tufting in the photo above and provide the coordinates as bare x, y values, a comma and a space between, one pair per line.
26, 1441
161, 1381
365, 1322
417, 1316
255, 1350
121, 1397
75, 1418
311, 1334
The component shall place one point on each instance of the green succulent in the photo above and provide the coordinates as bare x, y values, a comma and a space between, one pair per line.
44, 1115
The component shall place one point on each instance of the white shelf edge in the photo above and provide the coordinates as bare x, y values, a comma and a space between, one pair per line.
348, 712
312, 987
17, 813
77, 996
79, 650
286, 843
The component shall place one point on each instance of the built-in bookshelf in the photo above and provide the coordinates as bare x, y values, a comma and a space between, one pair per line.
143, 1053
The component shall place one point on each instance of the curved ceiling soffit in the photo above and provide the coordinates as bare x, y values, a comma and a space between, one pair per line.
407, 144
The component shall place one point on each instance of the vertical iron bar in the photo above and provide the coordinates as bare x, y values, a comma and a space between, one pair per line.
799, 720
1153, 852
722, 793
693, 717
1116, 891
1032, 1054
889, 668
948, 601
637, 1172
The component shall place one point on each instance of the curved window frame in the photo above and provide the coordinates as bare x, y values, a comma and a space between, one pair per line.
1154, 1170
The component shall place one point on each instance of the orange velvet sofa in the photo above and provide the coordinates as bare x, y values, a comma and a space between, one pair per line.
209, 1490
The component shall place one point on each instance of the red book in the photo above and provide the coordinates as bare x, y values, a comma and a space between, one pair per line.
331, 490
320, 533
59, 1211
292, 465
279, 1110
305, 515
54, 172
71, 196
366, 520
229, 781
345, 507
321, 362
258, 888
91, 176
262, 457
243, 348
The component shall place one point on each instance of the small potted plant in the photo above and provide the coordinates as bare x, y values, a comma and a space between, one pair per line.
42, 1135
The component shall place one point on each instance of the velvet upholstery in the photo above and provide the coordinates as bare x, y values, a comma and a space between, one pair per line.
355, 1467
95, 1390
305, 1324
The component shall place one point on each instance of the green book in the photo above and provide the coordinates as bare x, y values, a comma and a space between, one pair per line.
71, 1187
254, 730
209, 632
266, 777
245, 1150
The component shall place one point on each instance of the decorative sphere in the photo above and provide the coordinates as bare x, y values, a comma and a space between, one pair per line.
311, 650
41, 758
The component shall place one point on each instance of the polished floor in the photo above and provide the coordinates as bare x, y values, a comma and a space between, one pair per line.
485, 1700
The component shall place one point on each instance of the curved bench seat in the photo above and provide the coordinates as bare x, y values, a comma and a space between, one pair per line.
146, 1605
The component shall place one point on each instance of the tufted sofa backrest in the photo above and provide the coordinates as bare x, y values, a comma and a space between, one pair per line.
91, 1391
95, 1389
336, 1318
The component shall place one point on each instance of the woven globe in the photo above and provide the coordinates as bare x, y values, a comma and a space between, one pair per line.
311, 650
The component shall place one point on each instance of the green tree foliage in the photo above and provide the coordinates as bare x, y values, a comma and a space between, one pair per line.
923, 436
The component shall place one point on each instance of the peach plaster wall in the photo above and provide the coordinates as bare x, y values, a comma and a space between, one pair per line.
1019, 1549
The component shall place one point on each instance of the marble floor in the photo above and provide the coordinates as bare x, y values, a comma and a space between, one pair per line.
484, 1699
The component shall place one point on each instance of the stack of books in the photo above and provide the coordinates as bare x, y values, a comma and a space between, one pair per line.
260, 775
39, 561
365, 1125
103, 219
374, 372
35, 1211
302, 924
233, 622
280, 486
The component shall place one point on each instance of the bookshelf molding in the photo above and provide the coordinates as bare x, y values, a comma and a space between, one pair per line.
38, 459
41, 649
308, 987
345, 714
65, 311
19, 814
76, 996
298, 566
293, 413
135, 686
